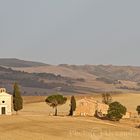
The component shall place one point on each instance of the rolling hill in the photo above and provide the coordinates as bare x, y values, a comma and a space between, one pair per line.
13, 62
41, 79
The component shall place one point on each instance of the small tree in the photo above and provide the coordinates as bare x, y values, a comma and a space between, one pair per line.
116, 111
138, 109
55, 100
17, 99
106, 98
72, 105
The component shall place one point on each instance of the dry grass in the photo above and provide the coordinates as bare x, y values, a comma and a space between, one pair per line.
42, 127
33, 99
130, 100
33, 123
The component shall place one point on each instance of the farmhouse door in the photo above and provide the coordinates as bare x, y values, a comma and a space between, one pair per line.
3, 110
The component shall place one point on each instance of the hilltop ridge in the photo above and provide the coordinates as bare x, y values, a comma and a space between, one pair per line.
14, 62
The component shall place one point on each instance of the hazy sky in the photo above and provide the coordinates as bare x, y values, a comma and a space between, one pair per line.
71, 31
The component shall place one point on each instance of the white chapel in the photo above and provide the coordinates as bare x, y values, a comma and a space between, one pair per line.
5, 102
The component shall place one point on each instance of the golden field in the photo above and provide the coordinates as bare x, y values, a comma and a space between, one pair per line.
34, 123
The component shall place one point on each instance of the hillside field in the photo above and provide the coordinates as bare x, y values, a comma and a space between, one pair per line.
34, 123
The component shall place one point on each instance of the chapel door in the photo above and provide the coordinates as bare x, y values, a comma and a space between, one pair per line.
3, 110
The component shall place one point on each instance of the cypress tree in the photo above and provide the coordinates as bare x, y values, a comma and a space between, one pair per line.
72, 106
138, 109
17, 99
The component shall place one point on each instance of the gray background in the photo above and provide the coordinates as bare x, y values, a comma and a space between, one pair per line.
71, 31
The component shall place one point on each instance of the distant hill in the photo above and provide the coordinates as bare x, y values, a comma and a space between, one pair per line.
13, 62
99, 72
40, 83
41, 79
130, 73
100, 77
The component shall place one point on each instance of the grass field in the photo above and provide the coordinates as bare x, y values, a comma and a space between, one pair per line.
42, 127
34, 123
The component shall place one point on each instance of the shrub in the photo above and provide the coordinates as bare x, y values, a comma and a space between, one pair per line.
116, 111
138, 109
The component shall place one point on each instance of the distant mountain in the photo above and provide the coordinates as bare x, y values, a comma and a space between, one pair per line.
13, 62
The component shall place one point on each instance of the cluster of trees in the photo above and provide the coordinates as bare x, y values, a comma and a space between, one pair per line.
115, 112
57, 100
53, 101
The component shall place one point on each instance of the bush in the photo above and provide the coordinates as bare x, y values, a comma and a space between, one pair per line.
116, 111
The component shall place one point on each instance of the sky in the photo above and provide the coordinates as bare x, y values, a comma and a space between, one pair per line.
71, 31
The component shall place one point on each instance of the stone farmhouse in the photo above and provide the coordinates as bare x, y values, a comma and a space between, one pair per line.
89, 106
5, 102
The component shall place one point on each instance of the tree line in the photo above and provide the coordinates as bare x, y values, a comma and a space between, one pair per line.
115, 112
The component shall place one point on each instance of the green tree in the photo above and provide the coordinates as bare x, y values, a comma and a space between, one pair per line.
116, 111
138, 109
17, 99
106, 98
72, 105
55, 100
